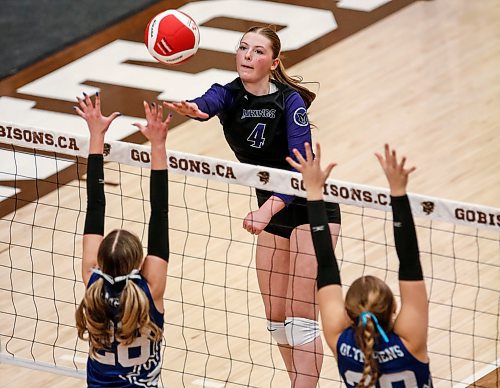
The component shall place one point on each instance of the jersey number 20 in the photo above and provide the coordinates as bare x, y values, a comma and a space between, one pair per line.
256, 138
385, 381
122, 354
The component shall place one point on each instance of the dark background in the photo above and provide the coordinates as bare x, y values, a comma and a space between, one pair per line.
33, 29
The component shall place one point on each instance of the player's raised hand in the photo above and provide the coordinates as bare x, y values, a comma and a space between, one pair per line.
312, 174
156, 131
98, 123
156, 128
396, 173
185, 108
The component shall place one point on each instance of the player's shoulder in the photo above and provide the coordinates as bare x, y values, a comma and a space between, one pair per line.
234, 86
347, 336
292, 97
285, 89
228, 91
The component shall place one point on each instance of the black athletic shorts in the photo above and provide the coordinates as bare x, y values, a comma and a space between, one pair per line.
295, 214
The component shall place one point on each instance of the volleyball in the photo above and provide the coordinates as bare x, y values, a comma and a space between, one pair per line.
172, 37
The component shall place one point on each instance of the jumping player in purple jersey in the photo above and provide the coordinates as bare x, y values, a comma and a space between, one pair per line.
373, 347
121, 313
264, 116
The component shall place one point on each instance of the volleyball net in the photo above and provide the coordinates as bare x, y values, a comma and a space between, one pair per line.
215, 328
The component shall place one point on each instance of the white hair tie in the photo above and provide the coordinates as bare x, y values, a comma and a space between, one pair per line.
134, 274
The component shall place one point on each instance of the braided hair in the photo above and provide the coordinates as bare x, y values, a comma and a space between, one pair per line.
372, 297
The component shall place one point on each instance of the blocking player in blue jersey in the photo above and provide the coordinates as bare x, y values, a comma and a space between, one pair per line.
121, 313
373, 347
263, 113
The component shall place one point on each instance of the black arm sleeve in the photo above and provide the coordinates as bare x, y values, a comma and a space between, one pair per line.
405, 238
328, 270
158, 242
96, 201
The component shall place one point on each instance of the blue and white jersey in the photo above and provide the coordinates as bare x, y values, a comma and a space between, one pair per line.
134, 365
398, 368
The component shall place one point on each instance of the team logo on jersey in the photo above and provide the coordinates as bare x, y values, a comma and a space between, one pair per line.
427, 207
263, 177
300, 117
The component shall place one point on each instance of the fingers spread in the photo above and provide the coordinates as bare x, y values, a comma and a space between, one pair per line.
307, 146
403, 161
169, 105
82, 104
147, 110
381, 160
87, 99
167, 120
159, 113
79, 111
318, 152
114, 115
386, 150
299, 156
153, 110
97, 101
292, 163
329, 169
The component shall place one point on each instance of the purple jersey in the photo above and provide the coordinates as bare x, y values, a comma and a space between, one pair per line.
134, 365
261, 130
398, 368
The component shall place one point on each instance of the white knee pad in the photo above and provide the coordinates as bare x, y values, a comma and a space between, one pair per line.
277, 330
300, 331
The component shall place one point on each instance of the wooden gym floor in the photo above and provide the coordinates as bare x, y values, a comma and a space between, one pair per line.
425, 79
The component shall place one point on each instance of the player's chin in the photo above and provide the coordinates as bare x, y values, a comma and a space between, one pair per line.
246, 74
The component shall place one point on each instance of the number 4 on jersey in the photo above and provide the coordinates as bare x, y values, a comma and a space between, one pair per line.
256, 138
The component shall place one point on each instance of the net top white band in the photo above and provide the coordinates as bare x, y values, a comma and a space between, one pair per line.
286, 182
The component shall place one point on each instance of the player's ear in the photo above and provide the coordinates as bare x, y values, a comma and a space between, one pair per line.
275, 64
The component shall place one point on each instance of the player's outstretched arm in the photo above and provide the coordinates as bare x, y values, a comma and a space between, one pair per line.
186, 108
93, 231
155, 264
331, 300
412, 321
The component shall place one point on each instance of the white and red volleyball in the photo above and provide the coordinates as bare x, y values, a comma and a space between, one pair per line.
172, 37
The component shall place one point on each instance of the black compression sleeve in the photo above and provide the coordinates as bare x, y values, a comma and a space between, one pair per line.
328, 270
96, 201
158, 242
405, 238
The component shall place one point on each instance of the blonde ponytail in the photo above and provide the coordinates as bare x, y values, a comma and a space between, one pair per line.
92, 320
280, 75
134, 316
